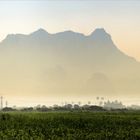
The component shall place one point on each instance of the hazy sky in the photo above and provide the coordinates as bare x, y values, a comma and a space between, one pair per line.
120, 18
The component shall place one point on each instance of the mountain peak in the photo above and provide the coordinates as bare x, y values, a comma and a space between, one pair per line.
100, 30
69, 33
40, 31
101, 35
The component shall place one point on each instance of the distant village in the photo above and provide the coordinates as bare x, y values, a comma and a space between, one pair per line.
100, 105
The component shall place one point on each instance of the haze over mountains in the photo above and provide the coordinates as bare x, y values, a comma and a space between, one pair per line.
66, 64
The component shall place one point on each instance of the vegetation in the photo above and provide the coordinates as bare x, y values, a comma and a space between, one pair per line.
70, 126
102, 106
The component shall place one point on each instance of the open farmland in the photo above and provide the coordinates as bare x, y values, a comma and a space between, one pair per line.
70, 126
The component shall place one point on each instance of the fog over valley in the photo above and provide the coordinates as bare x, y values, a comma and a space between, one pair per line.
66, 66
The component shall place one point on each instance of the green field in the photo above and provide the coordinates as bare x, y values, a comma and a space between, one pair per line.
70, 126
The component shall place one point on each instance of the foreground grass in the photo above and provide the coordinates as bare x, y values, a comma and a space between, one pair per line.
70, 126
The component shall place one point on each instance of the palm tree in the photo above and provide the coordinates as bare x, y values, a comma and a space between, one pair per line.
79, 103
89, 102
97, 98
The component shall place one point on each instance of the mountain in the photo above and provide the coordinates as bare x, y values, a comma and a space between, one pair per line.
67, 64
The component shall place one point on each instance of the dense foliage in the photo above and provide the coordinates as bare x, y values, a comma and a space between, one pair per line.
70, 126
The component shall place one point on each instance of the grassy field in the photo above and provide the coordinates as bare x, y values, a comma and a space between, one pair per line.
70, 126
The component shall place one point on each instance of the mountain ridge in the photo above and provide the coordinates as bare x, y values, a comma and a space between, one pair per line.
67, 62
99, 34
98, 38
43, 31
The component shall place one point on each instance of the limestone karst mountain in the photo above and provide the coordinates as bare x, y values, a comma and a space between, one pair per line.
66, 64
